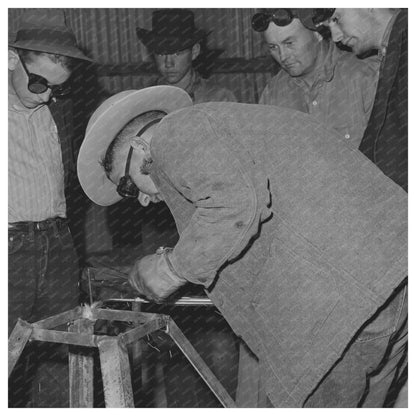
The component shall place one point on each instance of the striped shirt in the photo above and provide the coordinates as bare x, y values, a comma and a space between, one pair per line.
36, 174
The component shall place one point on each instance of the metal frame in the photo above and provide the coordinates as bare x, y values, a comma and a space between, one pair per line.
114, 360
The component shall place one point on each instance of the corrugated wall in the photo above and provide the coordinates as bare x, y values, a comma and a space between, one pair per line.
109, 36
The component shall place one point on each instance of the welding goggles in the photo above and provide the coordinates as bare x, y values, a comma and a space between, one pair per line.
310, 18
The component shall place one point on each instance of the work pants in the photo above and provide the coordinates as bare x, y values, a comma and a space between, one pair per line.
368, 372
43, 281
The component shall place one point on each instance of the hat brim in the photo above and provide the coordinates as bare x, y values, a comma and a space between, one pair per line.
70, 51
168, 44
106, 122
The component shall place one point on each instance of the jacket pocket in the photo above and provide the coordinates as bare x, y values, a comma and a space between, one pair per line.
386, 320
295, 295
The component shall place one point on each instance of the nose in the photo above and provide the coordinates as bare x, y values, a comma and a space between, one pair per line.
45, 96
336, 32
284, 54
169, 61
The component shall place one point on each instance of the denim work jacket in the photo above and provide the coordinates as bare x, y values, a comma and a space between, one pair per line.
297, 238
341, 95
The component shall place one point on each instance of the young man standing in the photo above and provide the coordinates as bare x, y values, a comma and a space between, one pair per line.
43, 265
174, 42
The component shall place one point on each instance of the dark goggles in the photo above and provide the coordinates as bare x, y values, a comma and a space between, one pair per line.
280, 17
283, 17
38, 84
126, 187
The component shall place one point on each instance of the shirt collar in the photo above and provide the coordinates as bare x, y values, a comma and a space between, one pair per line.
385, 40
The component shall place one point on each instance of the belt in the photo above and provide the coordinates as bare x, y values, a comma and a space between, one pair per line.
33, 226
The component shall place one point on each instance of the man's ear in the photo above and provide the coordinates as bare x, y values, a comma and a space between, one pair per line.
196, 49
318, 36
13, 60
141, 145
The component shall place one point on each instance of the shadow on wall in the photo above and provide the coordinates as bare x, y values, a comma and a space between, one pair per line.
86, 96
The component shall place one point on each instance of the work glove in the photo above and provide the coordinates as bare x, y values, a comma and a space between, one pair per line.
154, 278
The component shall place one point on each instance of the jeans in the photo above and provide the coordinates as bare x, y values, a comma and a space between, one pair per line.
43, 281
372, 364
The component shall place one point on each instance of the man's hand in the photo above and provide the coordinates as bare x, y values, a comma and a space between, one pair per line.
152, 277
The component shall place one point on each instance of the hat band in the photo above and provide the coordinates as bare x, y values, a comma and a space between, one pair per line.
46, 35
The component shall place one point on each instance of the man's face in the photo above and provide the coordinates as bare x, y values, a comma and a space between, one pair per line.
293, 46
353, 28
41, 65
174, 66
148, 191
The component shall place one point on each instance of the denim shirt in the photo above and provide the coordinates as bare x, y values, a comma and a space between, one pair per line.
341, 95
297, 238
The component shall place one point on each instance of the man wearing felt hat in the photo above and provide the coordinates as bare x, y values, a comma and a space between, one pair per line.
43, 266
175, 43
275, 221
316, 77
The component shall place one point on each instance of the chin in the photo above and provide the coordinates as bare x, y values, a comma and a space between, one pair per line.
171, 80
295, 73
30, 104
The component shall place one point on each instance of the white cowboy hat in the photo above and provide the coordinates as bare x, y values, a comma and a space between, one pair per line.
107, 121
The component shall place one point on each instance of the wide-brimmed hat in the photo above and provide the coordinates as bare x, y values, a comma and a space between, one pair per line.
173, 30
45, 30
107, 121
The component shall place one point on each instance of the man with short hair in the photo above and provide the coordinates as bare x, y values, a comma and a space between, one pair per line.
43, 265
385, 139
174, 42
276, 222
316, 77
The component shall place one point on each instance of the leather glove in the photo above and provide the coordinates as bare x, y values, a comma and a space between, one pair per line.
154, 278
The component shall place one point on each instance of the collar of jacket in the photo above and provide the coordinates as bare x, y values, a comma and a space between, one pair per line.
386, 36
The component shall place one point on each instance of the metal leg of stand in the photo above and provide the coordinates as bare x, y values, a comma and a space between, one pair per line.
81, 369
115, 369
17, 342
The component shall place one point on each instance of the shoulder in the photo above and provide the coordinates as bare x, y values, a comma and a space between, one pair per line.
280, 82
401, 21
184, 125
353, 66
282, 77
